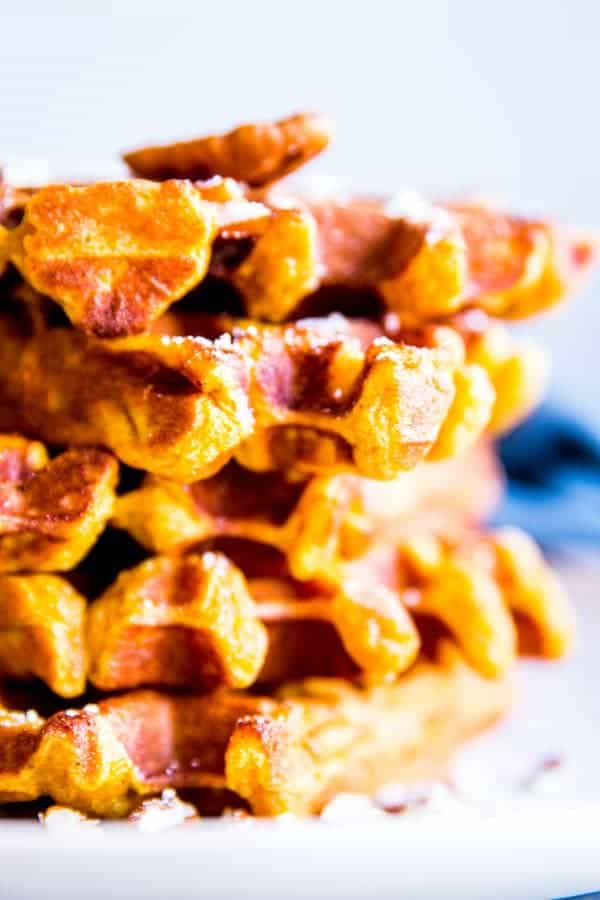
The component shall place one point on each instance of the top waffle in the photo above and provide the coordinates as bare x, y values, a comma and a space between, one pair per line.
116, 255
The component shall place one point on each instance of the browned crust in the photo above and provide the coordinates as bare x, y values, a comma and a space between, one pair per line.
332, 741
421, 261
51, 511
473, 586
114, 255
179, 408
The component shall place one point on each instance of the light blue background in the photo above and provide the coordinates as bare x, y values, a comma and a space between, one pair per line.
495, 97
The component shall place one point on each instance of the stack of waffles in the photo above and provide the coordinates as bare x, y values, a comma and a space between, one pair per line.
245, 464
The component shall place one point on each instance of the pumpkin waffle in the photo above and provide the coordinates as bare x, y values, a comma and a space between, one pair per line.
422, 260
198, 622
474, 588
289, 752
116, 255
316, 522
255, 154
330, 393
51, 511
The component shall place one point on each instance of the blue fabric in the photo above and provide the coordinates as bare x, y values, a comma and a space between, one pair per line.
553, 467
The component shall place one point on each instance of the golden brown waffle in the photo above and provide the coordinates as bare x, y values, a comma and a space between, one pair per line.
103, 252
318, 522
51, 511
322, 395
424, 261
384, 432
174, 407
287, 753
197, 622
452, 573
517, 370
421, 261
115, 255
256, 154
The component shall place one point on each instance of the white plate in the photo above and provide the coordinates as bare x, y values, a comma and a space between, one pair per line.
501, 843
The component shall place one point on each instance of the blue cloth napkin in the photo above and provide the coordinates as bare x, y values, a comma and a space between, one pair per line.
553, 466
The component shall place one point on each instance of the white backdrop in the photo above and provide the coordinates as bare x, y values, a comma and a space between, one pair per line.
448, 96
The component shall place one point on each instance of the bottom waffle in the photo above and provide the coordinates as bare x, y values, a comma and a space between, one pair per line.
286, 753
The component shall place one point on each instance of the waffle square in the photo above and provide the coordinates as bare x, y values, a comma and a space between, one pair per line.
114, 254
51, 511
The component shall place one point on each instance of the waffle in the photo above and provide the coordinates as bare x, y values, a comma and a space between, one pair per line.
423, 260
255, 154
420, 261
51, 511
489, 355
316, 522
287, 589
280, 259
114, 264
198, 622
326, 392
286, 753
